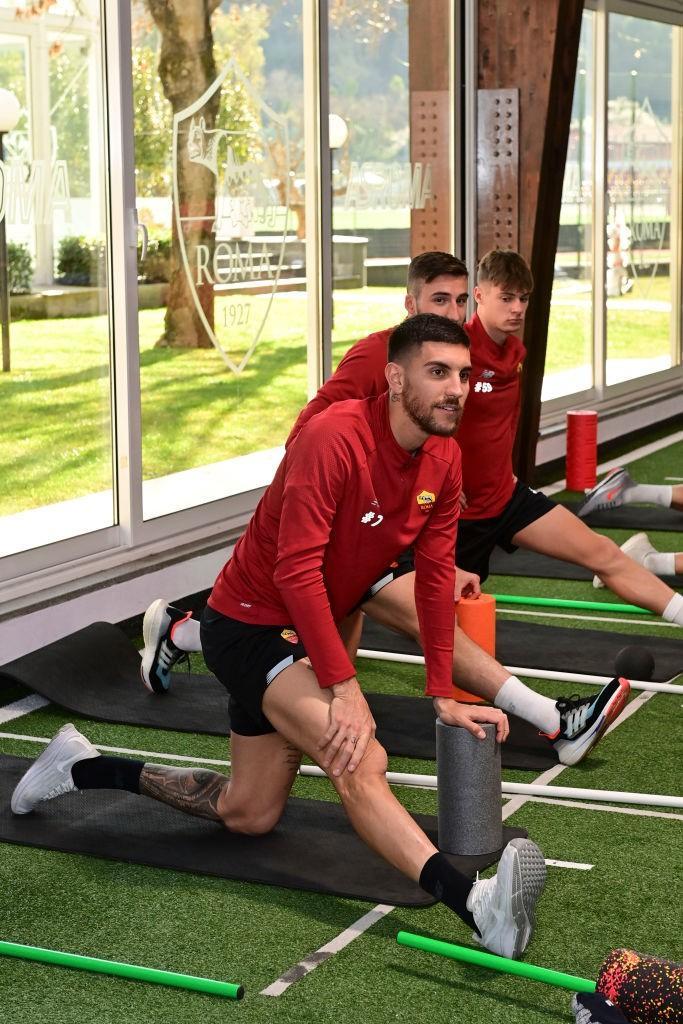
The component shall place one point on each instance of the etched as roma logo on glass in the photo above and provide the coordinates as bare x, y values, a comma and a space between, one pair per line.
231, 230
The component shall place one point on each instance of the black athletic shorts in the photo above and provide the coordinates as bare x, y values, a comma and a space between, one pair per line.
478, 537
245, 659
405, 563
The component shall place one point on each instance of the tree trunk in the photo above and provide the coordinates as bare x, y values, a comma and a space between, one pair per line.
186, 69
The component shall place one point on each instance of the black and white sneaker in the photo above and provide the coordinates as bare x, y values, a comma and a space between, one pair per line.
160, 653
609, 493
504, 907
50, 774
583, 720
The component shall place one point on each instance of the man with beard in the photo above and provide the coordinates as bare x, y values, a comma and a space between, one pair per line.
357, 486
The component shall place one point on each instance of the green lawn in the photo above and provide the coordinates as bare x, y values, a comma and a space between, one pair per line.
56, 438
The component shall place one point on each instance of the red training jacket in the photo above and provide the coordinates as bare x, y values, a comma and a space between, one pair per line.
486, 434
345, 501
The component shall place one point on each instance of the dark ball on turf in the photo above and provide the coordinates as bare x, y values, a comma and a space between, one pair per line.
634, 662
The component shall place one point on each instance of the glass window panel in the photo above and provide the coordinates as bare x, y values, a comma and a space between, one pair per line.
639, 191
390, 138
222, 301
56, 445
569, 355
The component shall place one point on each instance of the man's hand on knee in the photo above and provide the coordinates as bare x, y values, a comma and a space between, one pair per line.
350, 729
468, 715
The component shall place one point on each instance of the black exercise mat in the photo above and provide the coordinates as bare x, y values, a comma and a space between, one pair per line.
313, 847
96, 673
634, 517
405, 728
530, 563
528, 645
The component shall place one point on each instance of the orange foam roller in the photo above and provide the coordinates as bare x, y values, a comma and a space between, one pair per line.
477, 618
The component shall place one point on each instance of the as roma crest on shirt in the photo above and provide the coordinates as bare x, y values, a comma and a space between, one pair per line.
425, 500
290, 636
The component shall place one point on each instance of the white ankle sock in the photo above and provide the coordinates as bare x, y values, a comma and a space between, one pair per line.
661, 563
674, 610
652, 494
185, 635
517, 698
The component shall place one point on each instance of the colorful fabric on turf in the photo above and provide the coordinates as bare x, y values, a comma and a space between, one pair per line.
646, 988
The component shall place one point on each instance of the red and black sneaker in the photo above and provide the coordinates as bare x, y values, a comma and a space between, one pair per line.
583, 720
160, 653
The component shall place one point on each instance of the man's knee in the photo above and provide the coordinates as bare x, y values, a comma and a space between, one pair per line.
604, 555
370, 772
252, 821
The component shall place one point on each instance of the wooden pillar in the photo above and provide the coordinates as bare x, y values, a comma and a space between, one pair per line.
532, 46
429, 46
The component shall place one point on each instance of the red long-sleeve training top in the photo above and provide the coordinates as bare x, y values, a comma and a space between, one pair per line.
345, 501
486, 434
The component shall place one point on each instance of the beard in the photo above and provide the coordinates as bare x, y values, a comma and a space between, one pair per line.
424, 415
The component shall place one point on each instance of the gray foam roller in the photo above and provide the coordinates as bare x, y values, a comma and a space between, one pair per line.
469, 801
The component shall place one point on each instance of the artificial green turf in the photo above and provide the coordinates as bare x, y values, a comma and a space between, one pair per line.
251, 934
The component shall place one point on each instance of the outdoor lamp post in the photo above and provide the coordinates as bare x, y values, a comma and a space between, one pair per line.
9, 115
338, 133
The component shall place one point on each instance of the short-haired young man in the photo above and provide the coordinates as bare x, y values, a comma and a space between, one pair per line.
498, 508
366, 478
437, 282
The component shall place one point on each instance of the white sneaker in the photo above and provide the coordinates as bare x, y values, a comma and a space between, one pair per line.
637, 547
609, 493
50, 774
503, 907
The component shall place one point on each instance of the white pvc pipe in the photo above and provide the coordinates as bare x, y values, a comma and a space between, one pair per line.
536, 673
528, 789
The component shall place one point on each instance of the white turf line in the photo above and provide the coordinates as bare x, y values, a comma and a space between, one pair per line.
19, 708
624, 460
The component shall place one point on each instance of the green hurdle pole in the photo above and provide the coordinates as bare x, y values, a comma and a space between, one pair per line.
559, 602
150, 974
496, 963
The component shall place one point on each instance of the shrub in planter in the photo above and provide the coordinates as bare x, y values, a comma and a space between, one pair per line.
80, 261
156, 265
19, 268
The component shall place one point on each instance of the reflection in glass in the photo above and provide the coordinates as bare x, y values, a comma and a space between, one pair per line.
391, 162
569, 362
56, 443
639, 173
222, 304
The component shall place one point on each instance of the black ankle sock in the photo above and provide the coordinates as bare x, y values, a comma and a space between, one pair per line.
441, 879
107, 773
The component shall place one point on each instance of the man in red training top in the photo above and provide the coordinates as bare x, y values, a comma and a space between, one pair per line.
437, 283
369, 478
499, 509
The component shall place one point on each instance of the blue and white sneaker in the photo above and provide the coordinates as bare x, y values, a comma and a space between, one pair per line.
504, 907
609, 493
160, 653
583, 720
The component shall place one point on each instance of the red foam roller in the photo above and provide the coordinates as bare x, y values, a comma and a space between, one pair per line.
582, 449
